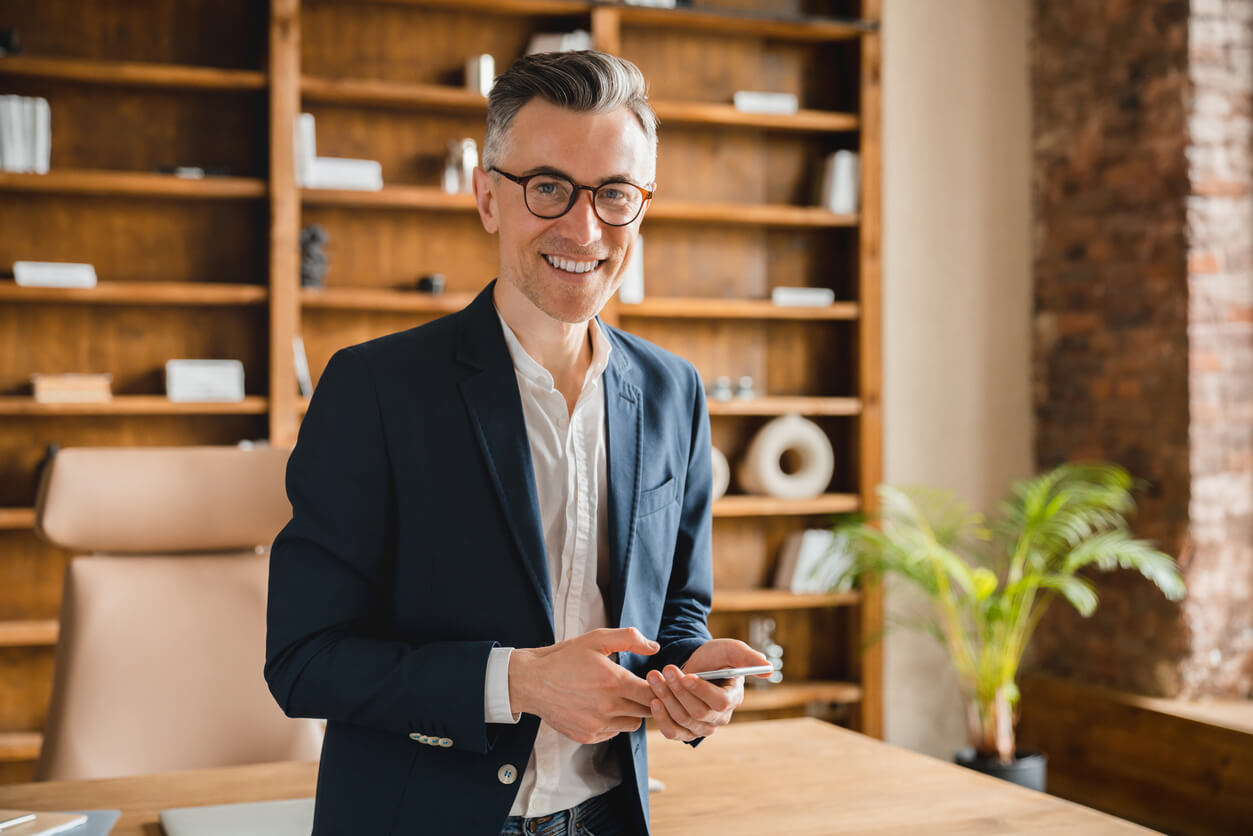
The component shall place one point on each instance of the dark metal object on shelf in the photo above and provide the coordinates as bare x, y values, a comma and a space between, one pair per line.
10, 43
432, 283
314, 262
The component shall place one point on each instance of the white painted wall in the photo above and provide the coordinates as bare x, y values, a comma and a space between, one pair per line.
957, 292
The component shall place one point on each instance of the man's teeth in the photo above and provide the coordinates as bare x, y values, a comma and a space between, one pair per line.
571, 266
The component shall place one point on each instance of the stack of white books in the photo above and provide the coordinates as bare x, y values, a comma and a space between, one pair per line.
25, 134
191, 381
841, 182
314, 172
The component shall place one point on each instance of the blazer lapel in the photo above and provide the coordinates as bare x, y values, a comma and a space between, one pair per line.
623, 414
492, 399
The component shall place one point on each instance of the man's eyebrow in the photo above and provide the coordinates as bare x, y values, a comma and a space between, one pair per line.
548, 169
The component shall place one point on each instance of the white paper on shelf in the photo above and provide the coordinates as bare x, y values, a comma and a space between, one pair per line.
342, 173
204, 380
54, 274
306, 147
754, 101
43, 136
807, 297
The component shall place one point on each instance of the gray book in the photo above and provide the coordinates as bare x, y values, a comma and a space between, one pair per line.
292, 817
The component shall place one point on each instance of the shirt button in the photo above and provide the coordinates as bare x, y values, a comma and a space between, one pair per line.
507, 774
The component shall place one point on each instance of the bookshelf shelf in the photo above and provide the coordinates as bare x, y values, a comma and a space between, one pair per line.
372, 299
16, 519
132, 184
693, 308
41, 632
724, 115
20, 746
772, 405
799, 694
133, 74
767, 506
132, 405
501, 7
802, 29
763, 600
140, 293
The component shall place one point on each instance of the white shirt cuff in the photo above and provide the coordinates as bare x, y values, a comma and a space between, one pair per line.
496, 707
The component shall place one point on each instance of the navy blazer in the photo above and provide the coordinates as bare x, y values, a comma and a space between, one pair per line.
415, 546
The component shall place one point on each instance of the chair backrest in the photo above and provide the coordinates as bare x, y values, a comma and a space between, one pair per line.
162, 643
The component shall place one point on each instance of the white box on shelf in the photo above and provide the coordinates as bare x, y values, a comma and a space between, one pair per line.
481, 74
754, 101
631, 291
306, 147
189, 381
72, 388
804, 297
813, 561
342, 173
54, 274
11, 120
559, 41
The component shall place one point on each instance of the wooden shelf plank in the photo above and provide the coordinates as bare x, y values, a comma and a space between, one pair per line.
501, 7
771, 405
132, 184
747, 214
29, 633
696, 308
390, 197
17, 519
140, 293
20, 746
133, 73
759, 600
798, 694
710, 113
768, 506
802, 28
132, 405
391, 94
377, 299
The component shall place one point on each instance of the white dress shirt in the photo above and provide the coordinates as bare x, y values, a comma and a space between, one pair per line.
568, 457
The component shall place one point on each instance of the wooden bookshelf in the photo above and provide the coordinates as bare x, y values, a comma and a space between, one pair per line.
764, 600
773, 405
804, 29
29, 633
132, 74
692, 308
16, 519
787, 694
20, 746
131, 405
767, 506
132, 184
370, 299
139, 293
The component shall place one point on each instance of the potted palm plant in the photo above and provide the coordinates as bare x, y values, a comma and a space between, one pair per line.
990, 581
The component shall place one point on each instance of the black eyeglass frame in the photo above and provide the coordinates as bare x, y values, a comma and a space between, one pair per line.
574, 194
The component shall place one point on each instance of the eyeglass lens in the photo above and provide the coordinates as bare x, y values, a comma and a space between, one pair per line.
549, 196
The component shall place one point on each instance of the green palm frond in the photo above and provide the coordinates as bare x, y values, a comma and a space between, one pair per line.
1117, 549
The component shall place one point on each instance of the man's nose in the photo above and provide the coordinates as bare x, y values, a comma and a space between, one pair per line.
581, 223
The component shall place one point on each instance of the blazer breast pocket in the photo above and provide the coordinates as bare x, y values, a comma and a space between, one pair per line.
655, 499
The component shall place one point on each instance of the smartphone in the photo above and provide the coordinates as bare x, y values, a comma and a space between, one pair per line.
728, 673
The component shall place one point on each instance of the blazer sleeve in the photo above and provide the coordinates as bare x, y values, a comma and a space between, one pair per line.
328, 651
689, 594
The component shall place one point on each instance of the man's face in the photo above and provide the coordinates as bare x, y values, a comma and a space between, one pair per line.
590, 149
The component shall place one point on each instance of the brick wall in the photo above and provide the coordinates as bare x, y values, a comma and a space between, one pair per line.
1144, 319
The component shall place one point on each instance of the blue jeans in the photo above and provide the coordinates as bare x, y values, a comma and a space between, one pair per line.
603, 815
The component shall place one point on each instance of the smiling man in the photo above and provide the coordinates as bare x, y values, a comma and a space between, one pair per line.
499, 558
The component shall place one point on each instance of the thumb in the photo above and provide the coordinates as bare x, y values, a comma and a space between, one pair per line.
622, 640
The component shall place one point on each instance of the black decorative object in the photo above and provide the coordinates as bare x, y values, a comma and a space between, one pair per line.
432, 283
10, 43
313, 261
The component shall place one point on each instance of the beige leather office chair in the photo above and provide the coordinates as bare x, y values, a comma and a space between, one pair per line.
159, 663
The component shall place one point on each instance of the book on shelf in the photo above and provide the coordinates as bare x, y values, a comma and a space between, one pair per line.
72, 388
841, 176
802, 297
54, 274
813, 561
314, 172
559, 41
756, 101
25, 134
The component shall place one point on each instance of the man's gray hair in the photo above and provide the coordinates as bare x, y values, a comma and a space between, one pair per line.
586, 81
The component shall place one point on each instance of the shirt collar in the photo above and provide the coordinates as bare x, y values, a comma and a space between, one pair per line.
529, 367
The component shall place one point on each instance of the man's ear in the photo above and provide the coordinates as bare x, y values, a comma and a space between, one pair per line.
485, 201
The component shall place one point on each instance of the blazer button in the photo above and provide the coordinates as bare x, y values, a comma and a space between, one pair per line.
445, 742
421, 738
507, 774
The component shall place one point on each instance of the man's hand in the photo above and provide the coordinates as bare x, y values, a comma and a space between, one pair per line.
577, 689
685, 706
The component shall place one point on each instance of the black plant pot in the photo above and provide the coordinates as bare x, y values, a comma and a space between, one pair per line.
1027, 770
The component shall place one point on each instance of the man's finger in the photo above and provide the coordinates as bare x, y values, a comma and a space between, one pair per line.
621, 640
668, 728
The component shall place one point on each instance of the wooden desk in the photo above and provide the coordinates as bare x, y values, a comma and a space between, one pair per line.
799, 777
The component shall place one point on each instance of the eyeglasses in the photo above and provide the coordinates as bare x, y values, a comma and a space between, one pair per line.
549, 196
